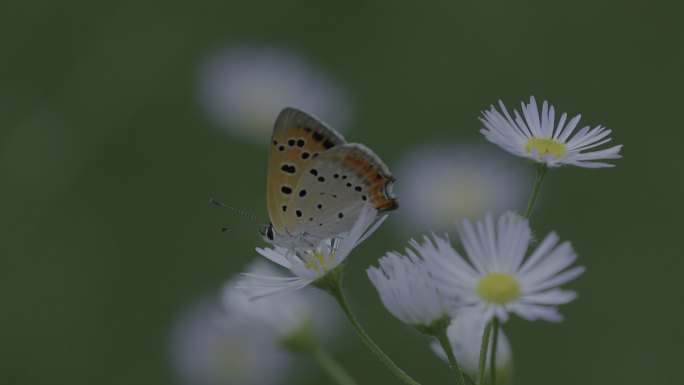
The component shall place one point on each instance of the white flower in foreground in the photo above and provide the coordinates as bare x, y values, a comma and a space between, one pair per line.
443, 184
497, 278
465, 336
212, 347
284, 315
539, 138
407, 290
244, 88
308, 266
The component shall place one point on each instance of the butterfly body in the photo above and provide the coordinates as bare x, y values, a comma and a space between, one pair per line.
318, 183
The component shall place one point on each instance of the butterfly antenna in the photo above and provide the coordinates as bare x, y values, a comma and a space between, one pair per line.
245, 227
233, 209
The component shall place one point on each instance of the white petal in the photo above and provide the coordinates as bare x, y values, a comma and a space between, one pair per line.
559, 279
550, 297
275, 256
533, 312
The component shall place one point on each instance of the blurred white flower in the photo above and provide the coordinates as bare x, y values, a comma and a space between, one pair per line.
497, 278
443, 184
465, 335
211, 347
237, 341
537, 137
308, 266
407, 290
243, 88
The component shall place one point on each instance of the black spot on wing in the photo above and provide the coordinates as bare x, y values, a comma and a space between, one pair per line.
287, 190
288, 168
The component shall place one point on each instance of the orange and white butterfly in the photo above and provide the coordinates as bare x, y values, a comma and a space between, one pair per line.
318, 184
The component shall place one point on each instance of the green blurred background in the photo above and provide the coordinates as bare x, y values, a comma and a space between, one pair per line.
107, 162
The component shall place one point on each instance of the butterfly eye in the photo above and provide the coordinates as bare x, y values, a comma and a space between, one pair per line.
269, 232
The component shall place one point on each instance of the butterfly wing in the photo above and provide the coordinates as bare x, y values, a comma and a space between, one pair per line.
298, 139
336, 186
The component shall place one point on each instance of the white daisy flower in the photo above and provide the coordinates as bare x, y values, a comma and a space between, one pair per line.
497, 279
244, 88
212, 347
443, 184
537, 137
465, 336
407, 290
308, 266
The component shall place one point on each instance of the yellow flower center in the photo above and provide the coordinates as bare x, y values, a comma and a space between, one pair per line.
545, 146
498, 288
318, 261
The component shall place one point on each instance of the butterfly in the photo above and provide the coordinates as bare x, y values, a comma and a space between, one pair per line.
317, 183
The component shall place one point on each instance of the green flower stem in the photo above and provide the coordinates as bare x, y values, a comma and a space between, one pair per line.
444, 341
483, 353
336, 291
492, 358
541, 172
332, 367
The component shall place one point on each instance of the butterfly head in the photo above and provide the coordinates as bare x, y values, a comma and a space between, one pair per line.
270, 234
267, 232
303, 241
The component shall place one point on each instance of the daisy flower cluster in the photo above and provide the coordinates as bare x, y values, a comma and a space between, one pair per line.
497, 271
460, 293
495, 275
